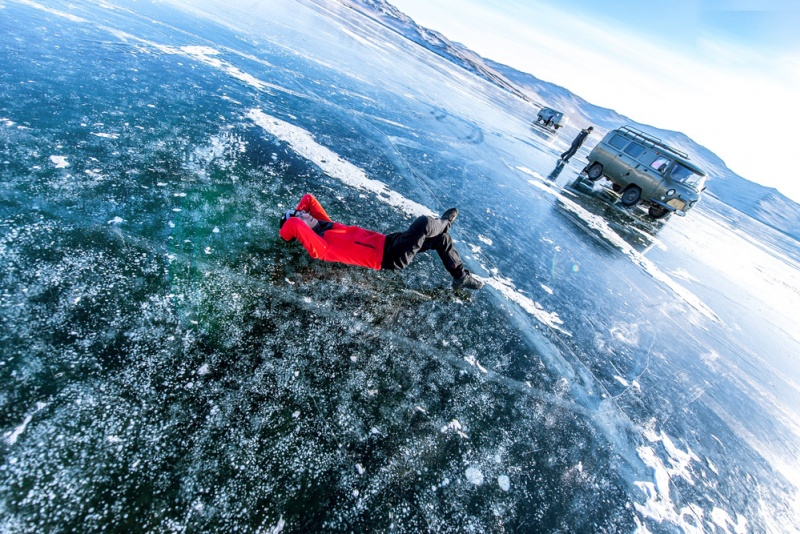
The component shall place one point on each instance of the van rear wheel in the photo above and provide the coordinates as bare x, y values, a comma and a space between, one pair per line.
631, 196
595, 171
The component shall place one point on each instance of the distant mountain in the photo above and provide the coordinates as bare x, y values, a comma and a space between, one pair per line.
763, 204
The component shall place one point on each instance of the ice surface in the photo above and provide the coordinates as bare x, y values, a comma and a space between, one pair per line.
168, 363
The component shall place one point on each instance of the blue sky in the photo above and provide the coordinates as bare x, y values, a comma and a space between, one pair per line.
725, 72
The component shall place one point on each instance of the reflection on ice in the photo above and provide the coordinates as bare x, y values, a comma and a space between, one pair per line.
601, 226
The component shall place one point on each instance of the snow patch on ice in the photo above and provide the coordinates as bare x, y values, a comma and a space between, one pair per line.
475, 363
684, 275
389, 122
454, 426
222, 151
13, 436
506, 288
207, 55
530, 172
63, 14
60, 162
712, 466
722, 519
546, 289
710, 357
626, 333
277, 529
303, 142
658, 505
358, 38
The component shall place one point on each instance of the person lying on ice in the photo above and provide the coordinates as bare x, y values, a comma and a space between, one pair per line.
330, 241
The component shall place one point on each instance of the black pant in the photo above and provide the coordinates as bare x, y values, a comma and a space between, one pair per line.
425, 233
570, 152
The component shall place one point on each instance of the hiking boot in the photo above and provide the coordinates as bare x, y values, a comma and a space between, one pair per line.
450, 215
468, 281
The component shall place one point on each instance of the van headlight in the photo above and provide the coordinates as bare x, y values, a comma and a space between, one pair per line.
670, 192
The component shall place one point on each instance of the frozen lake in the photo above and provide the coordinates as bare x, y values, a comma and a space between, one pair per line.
168, 363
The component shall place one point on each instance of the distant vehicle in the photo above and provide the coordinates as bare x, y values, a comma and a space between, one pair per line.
550, 118
642, 168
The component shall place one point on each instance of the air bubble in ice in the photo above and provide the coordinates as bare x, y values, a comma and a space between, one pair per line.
474, 476
504, 482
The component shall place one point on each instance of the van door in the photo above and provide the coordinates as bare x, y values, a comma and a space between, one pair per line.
652, 172
626, 164
615, 165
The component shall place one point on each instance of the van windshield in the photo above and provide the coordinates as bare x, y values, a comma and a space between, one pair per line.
687, 176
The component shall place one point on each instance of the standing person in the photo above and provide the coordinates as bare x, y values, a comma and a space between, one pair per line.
576, 143
329, 241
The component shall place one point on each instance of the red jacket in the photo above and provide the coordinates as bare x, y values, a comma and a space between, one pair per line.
343, 244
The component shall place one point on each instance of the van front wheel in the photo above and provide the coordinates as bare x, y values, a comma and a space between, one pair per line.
657, 212
631, 196
595, 171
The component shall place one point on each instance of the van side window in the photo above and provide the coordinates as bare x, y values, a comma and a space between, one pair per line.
634, 150
660, 163
618, 141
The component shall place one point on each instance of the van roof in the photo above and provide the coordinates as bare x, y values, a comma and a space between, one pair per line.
655, 142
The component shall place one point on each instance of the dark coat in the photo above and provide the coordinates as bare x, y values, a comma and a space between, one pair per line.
580, 138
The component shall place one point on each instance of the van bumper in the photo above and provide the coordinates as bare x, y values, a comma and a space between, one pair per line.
673, 209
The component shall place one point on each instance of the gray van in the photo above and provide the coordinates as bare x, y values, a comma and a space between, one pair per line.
550, 118
642, 168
